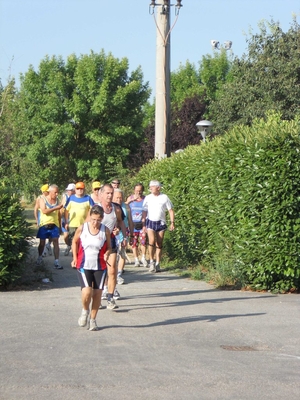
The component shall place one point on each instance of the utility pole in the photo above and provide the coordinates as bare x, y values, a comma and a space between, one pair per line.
162, 96
162, 99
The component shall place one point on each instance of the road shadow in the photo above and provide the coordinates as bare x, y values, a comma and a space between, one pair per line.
185, 320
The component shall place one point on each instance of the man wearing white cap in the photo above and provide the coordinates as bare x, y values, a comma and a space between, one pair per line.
155, 207
69, 190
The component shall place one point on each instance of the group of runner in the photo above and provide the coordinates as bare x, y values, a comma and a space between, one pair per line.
96, 228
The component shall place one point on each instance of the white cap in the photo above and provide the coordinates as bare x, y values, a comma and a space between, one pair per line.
155, 183
71, 186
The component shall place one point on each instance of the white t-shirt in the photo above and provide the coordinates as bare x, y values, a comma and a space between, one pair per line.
156, 206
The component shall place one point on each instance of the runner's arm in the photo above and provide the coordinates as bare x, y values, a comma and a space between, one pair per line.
75, 245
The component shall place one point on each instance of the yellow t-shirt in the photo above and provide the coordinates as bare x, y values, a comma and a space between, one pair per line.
53, 217
78, 208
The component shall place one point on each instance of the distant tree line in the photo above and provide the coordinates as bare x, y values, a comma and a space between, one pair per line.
88, 117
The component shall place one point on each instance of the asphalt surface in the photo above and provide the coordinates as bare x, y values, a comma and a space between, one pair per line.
171, 338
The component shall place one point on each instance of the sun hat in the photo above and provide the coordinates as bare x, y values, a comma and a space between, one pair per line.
71, 186
155, 183
80, 185
96, 185
45, 188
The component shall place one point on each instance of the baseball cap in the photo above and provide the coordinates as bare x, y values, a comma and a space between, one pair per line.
71, 186
80, 185
155, 183
45, 188
96, 185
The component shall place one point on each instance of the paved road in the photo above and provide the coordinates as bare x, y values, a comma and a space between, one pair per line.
172, 338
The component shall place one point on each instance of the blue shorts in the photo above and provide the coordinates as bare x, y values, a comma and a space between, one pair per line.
63, 223
156, 226
49, 231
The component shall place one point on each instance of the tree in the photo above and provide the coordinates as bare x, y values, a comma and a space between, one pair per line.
78, 119
268, 77
183, 130
187, 108
7, 96
185, 83
213, 72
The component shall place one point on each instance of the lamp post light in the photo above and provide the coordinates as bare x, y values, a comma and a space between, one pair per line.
204, 127
216, 45
162, 96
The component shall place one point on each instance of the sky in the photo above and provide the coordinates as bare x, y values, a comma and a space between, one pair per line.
32, 29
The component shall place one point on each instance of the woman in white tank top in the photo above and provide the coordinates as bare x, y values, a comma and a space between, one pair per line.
91, 248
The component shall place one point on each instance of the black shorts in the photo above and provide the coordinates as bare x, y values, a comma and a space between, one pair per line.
90, 278
114, 247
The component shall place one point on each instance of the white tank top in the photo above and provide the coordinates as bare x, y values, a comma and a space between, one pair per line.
110, 220
91, 246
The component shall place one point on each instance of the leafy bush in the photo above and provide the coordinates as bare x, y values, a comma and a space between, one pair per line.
14, 242
236, 201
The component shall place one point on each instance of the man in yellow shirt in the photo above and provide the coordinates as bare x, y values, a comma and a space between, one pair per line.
50, 224
77, 209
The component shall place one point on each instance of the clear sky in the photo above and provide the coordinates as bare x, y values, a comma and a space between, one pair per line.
32, 29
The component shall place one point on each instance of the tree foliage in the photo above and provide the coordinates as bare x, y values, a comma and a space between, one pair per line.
14, 238
185, 83
236, 201
7, 132
183, 131
78, 119
267, 77
214, 72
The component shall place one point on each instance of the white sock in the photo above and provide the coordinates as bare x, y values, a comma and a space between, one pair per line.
136, 259
56, 261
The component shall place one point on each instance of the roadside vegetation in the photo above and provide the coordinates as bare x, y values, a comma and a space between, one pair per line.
236, 196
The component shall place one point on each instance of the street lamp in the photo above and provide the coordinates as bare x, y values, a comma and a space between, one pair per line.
204, 127
162, 96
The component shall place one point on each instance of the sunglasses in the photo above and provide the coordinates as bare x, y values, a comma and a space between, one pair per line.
96, 190
116, 183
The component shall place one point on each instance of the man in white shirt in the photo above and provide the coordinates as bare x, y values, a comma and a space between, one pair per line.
155, 207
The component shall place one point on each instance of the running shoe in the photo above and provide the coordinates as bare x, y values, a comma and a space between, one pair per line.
93, 325
111, 304
152, 267
67, 251
116, 295
157, 267
49, 249
44, 252
57, 266
120, 280
104, 294
83, 319
136, 263
39, 261
144, 262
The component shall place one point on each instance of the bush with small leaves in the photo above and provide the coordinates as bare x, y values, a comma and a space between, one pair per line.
237, 204
14, 237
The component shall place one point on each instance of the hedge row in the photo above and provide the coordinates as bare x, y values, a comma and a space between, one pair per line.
14, 245
237, 202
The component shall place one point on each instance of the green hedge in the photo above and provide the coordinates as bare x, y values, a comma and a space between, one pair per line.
14, 242
236, 200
